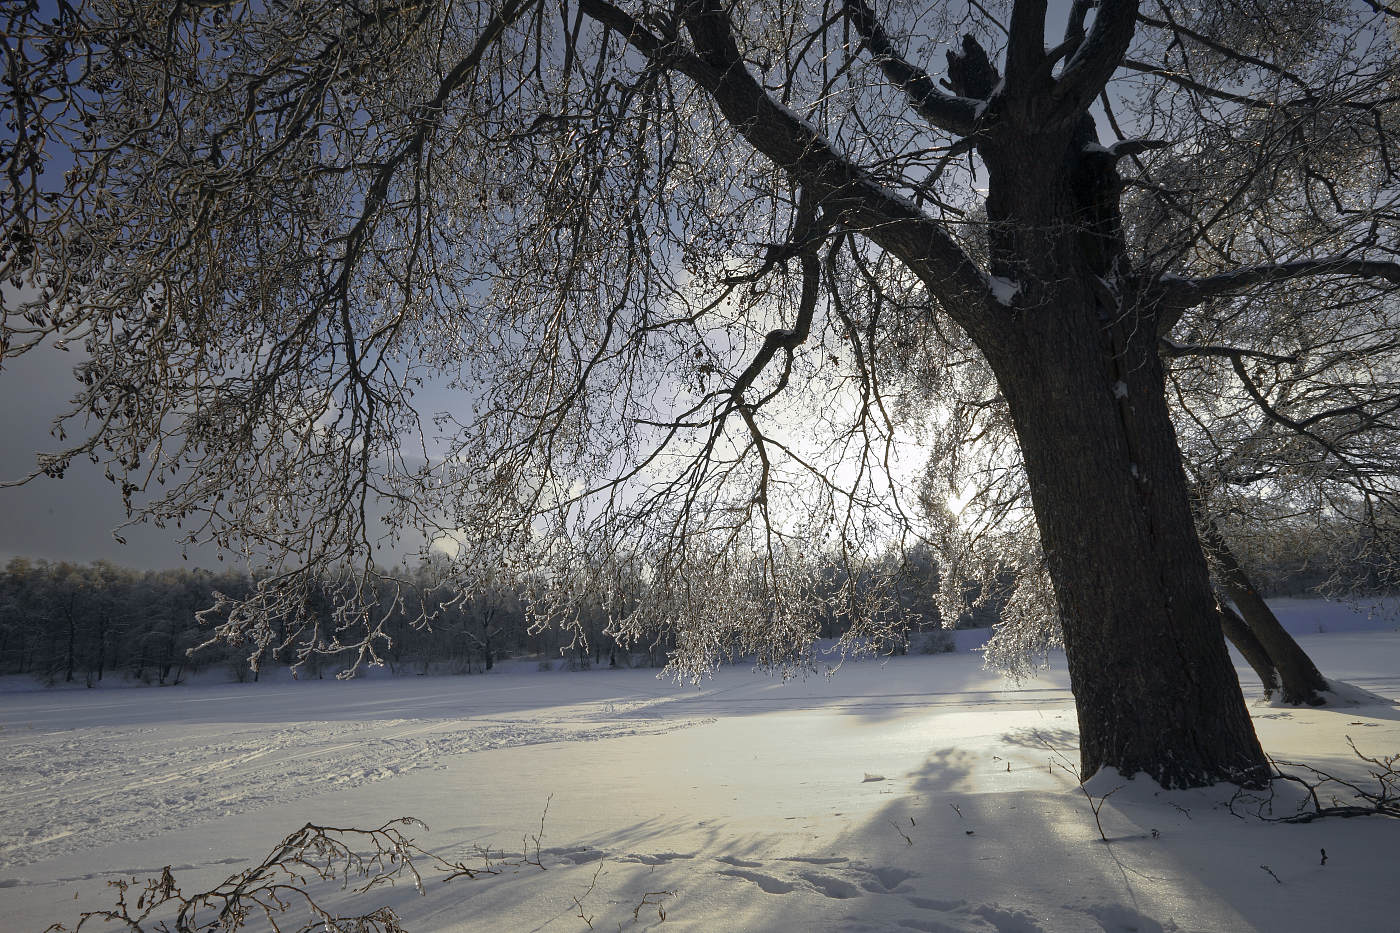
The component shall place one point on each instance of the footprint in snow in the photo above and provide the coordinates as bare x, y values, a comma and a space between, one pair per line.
738, 862
889, 878
1117, 918
927, 926
767, 883
1007, 921
829, 885
579, 855
657, 858
932, 903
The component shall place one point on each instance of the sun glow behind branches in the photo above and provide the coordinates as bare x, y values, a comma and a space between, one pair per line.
958, 501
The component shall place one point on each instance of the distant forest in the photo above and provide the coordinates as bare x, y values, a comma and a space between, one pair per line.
83, 623
66, 623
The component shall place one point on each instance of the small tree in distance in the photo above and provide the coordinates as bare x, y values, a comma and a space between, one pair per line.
673, 256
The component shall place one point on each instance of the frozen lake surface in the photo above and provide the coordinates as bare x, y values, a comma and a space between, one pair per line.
917, 793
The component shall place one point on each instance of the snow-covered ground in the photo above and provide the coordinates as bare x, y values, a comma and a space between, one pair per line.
918, 793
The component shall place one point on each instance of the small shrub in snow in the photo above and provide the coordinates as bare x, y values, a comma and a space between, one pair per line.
300, 875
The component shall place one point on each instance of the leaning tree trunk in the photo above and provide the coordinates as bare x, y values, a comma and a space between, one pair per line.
1249, 647
1302, 683
1078, 365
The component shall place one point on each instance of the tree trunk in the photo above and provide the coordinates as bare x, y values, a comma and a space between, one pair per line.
1076, 358
1302, 683
102, 647
1249, 646
1153, 684
69, 659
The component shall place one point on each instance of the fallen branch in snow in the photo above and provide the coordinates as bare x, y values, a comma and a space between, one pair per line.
1381, 800
1095, 803
353, 860
658, 903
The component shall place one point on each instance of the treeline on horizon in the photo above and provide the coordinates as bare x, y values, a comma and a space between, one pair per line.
65, 623
70, 623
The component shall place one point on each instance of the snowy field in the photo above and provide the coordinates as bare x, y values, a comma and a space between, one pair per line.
919, 793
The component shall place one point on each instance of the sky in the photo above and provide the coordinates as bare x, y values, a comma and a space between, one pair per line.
72, 518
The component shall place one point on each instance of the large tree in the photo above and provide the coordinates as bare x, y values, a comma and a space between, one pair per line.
672, 255
1284, 410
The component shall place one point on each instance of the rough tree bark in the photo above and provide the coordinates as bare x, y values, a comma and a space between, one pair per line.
1140, 623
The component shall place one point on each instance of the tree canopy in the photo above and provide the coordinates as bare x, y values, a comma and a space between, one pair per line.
703, 277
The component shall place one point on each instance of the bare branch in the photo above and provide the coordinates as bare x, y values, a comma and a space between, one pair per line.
839, 185
1179, 293
955, 114
1177, 350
